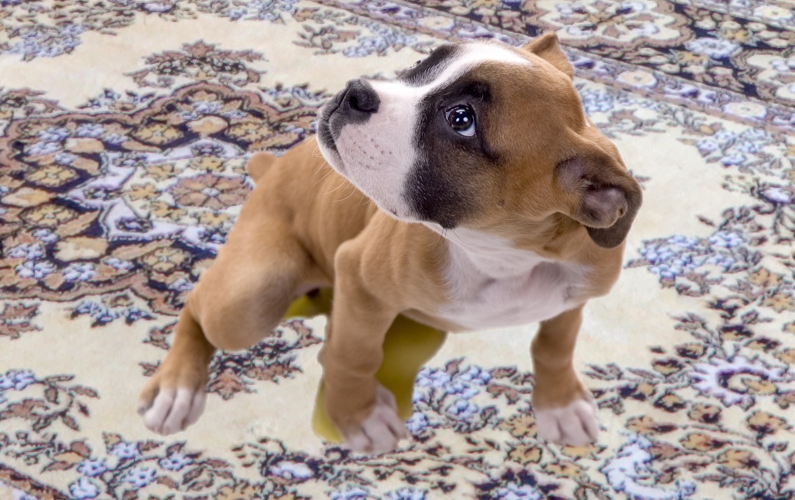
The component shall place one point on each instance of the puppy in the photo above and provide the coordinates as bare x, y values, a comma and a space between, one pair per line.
471, 192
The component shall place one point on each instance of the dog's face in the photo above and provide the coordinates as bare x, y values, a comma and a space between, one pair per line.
479, 135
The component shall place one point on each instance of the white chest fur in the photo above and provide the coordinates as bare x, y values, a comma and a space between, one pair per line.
493, 284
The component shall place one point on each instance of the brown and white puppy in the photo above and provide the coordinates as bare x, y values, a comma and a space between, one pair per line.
471, 192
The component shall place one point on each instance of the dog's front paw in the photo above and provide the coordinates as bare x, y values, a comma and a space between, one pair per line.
575, 424
381, 431
172, 399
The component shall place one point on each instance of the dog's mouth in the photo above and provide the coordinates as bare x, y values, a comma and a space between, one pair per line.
324, 119
324, 133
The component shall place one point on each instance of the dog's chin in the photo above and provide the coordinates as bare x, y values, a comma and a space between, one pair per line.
333, 158
328, 148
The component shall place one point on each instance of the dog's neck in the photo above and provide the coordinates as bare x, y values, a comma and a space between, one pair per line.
555, 238
492, 255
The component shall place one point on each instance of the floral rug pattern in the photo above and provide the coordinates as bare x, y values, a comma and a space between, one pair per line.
124, 131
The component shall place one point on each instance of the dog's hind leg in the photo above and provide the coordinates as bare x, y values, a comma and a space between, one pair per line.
237, 302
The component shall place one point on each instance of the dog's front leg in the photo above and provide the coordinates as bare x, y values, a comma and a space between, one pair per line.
565, 411
364, 412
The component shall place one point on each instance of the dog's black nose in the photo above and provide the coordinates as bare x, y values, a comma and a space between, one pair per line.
360, 100
355, 104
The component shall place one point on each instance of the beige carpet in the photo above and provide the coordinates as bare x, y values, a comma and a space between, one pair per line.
124, 128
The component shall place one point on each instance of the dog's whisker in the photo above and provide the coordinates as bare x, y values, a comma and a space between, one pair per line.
342, 183
321, 179
385, 216
352, 193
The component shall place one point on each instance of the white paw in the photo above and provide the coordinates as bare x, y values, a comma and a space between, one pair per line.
381, 431
575, 424
173, 410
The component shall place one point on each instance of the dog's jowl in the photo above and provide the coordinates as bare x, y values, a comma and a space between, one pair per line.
471, 192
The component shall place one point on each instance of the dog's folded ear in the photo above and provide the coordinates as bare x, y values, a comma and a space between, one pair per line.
547, 47
600, 194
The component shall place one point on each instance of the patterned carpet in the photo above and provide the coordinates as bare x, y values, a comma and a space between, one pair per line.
124, 130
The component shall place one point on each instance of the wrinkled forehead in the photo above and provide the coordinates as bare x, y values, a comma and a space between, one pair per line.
449, 62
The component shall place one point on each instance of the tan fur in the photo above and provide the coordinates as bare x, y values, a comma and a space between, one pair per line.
552, 350
259, 164
304, 227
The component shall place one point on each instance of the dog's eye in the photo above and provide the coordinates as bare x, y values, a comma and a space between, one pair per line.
462, 119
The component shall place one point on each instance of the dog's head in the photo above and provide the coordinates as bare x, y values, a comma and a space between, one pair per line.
480, 134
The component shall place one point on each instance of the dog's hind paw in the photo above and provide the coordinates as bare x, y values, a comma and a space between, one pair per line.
575, 424
381, 431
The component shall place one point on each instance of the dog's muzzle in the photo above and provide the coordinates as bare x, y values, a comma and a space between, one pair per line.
353, 105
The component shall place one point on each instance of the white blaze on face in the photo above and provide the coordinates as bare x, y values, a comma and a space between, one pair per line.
378, 155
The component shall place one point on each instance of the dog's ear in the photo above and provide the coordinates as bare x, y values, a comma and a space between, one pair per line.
600, 194
547, 47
